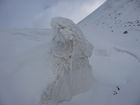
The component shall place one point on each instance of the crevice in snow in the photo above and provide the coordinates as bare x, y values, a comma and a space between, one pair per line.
128, 52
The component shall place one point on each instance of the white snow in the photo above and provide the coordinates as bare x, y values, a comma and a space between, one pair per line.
24, 71
114, 31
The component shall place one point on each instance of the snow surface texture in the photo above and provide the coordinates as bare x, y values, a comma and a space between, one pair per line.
69, 58
24, 71
113, 29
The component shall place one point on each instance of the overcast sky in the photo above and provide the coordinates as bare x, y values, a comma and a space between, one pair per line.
38, 13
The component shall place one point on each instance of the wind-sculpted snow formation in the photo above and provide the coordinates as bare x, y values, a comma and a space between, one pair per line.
69, 58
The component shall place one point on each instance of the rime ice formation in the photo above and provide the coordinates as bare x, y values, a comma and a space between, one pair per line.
69, 52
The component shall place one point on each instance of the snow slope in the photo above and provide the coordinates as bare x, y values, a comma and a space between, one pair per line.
23, 69
114, 31
115, 28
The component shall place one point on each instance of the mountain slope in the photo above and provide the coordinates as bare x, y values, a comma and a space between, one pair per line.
115, 27
114, 31
115, 21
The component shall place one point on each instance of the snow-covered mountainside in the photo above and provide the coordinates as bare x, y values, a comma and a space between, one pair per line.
113, 29
117, 22
115, 26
